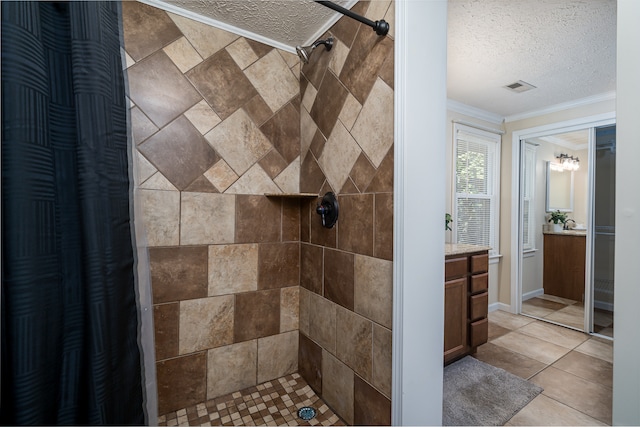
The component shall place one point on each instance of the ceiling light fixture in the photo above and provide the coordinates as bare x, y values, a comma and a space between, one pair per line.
565, 163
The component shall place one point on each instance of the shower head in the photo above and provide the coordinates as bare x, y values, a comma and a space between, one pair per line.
305, 52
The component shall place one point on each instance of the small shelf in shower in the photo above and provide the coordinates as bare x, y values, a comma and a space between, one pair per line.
293, 195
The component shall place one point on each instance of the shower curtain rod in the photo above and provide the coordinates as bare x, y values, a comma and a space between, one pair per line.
381, 27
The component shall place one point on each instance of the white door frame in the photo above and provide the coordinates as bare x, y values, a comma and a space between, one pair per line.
516, 201
419, 207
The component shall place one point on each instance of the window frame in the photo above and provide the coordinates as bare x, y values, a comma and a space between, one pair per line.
494, 143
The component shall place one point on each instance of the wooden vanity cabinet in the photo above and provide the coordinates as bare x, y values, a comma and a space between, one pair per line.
466, 304
564, 266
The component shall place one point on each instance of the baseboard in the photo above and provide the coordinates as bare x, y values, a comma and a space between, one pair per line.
532, 294
499, 306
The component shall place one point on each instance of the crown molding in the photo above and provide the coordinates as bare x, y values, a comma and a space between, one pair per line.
474, 112
218, 24
581, 102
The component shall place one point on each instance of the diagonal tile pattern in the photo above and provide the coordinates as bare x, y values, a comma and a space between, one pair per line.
219, 120
226, 87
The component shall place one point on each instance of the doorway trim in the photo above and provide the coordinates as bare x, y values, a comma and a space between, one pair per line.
516, 223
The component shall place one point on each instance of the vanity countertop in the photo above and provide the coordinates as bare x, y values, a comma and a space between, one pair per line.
567, 232
462, 248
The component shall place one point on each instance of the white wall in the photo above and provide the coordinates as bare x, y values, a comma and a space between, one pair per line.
626, 349
420, 105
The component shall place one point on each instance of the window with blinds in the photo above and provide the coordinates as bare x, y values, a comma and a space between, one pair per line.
528, 196
477, 184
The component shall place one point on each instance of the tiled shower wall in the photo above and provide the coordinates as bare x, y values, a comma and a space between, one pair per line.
346, 272
216, 121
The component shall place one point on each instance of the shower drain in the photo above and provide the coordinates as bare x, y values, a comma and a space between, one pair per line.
306, 413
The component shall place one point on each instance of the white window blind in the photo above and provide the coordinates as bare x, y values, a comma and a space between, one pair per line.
528, 196
477, 184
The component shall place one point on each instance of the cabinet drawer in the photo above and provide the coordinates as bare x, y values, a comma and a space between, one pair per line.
455, 267
478, 306
479, 283
478, 332
479, 263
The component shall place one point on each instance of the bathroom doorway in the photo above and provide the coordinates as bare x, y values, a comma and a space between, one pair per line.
566, 232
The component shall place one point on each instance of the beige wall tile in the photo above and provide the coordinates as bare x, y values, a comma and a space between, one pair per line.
277, 356
307, 132
231, 368
374, 289
290, 58
273, 80
254, 181
339, 55
206, 39
377, 9
374, 128
382, 345
337, 386
205, 323
242, 53
322, 322
183, 54
207, 219
239, 141
289, 308
309, 97
289, 179
339, 155
202, 117
161, 215
305, 296
350, 111
221, 175
354, 341
233, 269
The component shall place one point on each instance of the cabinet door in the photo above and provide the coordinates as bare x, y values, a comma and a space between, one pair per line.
455, 318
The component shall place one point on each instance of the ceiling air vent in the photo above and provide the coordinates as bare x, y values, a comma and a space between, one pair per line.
519, 86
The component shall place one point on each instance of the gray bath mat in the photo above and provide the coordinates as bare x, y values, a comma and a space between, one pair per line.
482, 395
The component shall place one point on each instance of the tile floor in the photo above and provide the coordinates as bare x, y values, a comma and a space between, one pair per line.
273, 403
575, 369
567, 312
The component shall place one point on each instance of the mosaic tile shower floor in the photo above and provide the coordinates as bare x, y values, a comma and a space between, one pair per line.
273, 403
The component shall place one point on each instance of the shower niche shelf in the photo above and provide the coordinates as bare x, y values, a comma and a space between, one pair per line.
293, 195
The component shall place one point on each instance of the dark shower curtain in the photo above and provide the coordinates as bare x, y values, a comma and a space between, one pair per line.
69, 318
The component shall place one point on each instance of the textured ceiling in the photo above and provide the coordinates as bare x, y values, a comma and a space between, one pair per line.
566, 48
286, 22
576, 140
